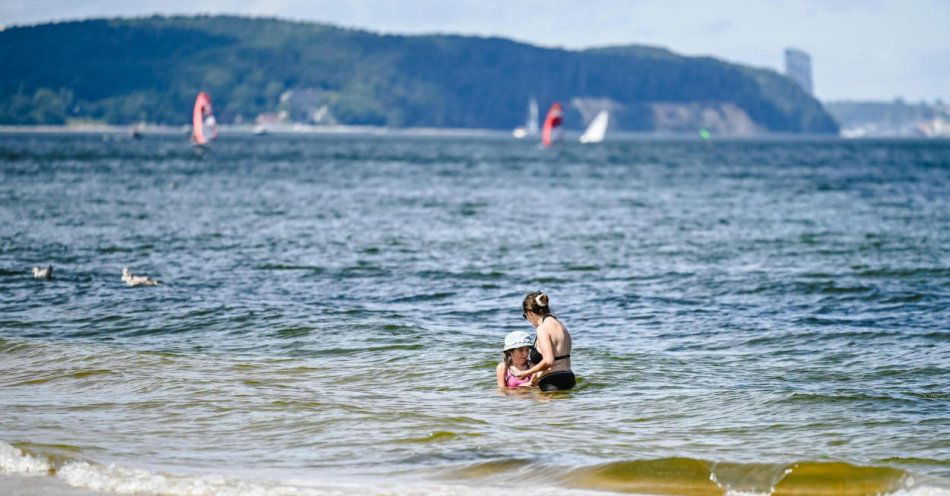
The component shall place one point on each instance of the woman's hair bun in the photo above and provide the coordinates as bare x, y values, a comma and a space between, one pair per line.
537, 302
541, 299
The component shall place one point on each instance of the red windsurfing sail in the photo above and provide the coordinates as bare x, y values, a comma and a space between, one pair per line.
203, 125
551, 123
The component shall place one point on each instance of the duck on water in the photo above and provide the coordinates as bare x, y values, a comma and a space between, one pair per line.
133, 280
43, 273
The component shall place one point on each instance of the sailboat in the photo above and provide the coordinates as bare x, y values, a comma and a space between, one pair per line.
204, 127
135, 132
531, 125
597, 129
552, 123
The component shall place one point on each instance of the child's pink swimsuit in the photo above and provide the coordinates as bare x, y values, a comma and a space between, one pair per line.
512, 381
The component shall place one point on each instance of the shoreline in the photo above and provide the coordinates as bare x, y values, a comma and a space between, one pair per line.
346, 130
245, 129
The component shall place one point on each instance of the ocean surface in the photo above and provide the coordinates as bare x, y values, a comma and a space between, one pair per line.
749, 317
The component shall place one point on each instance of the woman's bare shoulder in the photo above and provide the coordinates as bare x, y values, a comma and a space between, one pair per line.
552, 324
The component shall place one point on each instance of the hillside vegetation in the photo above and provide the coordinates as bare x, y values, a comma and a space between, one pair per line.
149, 69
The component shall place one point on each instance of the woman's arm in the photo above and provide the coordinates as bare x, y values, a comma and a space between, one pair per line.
535, 379
500, 375
546, 348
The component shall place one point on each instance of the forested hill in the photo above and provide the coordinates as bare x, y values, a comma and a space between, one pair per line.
149, 69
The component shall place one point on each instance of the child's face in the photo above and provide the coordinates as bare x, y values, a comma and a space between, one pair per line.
520, 355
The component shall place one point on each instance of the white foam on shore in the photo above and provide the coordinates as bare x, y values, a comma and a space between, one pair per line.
120, 480
918, 491
14, 461
115, 479
923, 490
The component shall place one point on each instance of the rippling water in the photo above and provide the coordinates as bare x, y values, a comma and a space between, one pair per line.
748, 317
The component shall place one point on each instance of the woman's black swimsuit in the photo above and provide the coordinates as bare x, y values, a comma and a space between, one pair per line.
535, 356
555, 381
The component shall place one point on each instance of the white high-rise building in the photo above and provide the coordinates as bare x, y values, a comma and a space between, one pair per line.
798, 68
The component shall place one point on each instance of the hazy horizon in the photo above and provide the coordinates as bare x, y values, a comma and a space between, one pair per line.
889, 49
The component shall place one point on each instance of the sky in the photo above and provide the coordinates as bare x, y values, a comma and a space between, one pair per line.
860, 49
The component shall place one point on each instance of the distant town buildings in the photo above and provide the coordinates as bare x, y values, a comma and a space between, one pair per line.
798, 68
898, 118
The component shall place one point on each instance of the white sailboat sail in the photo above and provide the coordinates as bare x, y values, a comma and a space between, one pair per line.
531, 125
597, 129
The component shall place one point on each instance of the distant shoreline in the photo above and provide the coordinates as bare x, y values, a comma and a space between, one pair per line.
309, 129
243, 129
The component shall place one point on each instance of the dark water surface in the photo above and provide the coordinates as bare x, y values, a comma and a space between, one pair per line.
748, 317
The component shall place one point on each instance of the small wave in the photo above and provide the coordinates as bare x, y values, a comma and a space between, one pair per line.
13, 346
117, 479
79, 374
837, 398
123, 480
679, 476
906, 298
687, 476
812, 478
438, 275
434, 437
121, 249
361, 269
14, 461
901, 273
916, 461
935, 396
811, 320
481, 470
424, 297
398, 329
349, 351
278, 266
293, 332
582, 268
828, 287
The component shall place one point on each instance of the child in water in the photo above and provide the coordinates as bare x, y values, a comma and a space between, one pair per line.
517, 348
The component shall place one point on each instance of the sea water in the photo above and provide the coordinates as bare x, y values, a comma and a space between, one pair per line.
749, 317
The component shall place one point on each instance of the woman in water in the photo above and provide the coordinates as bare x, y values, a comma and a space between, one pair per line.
517, 348
553, 343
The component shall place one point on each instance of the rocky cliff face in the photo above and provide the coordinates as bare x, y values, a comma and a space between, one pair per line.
720, 118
